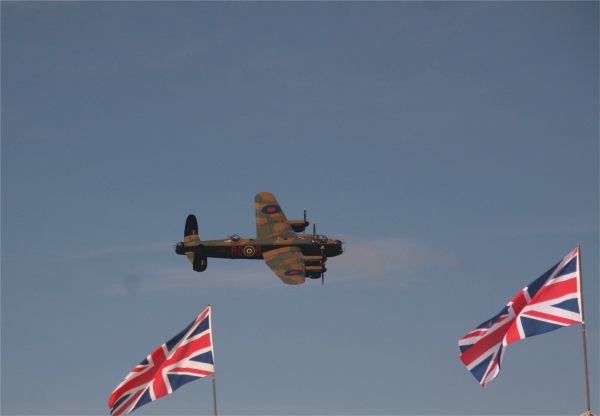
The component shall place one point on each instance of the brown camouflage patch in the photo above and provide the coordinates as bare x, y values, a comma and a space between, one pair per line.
287, 264
271, 222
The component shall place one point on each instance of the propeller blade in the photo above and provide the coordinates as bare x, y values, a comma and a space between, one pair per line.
323, 258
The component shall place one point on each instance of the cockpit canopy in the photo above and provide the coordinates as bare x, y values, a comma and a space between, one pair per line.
234, 237
317, 237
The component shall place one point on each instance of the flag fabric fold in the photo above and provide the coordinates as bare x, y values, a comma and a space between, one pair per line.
184, 358
550, 302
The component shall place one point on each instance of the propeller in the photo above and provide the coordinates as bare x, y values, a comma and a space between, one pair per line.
323, 259
314, 231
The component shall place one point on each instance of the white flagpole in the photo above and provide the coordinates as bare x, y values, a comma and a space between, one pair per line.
214, 389
588, 411
214, 386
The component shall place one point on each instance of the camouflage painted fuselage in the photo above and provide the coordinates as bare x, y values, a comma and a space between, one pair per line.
250, 248
291, 256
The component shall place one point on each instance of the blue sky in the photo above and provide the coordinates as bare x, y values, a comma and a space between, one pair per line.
452, 146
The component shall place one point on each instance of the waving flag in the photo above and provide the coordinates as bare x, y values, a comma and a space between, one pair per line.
184, 358
550, 302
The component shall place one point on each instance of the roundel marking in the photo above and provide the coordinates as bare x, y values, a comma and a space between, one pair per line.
293, 272
271, 209
249, 251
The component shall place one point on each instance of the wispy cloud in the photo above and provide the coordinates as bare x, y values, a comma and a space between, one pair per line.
124, 249
545, 229
389, 258
393, 259
242, 275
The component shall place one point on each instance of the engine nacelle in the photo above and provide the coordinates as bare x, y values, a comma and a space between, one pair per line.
298, 226
313, 275
315, 272
315, 261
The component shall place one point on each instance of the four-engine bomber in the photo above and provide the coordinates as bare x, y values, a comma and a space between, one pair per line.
291, 256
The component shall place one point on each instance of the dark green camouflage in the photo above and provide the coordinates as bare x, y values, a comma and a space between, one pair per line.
271, 222
284, 251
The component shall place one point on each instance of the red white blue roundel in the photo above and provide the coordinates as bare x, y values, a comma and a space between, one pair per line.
271, 209
249, 251
293, 272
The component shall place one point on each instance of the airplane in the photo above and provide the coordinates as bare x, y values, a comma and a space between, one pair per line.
292, 256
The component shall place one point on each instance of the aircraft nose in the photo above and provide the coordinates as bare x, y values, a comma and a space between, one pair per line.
340, 246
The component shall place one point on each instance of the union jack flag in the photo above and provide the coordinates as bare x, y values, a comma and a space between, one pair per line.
184, 358
550, 302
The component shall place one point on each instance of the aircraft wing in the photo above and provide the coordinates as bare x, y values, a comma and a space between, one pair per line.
271, 222
287, 263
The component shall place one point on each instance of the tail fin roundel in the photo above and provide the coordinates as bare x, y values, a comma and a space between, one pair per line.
190, 232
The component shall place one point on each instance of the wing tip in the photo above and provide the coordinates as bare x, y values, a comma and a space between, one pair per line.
293, 282
264, 196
